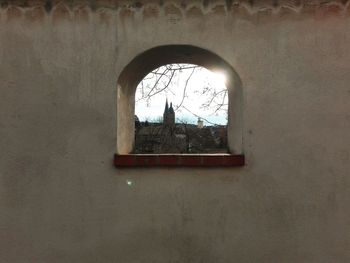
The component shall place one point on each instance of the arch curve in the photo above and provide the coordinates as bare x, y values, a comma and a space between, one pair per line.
155, 57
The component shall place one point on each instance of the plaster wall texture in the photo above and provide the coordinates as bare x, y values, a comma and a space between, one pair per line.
61, 200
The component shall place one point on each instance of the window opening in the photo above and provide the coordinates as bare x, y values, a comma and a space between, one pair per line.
136, 70
181, 108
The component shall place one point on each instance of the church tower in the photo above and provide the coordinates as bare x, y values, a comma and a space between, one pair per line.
169, 115
166, 110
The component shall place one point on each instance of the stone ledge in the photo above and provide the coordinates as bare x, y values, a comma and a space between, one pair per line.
178, 160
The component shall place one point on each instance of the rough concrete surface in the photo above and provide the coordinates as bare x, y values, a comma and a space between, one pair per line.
61, 200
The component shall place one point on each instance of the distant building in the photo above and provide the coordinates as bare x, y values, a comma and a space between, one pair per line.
169, 115
171, 137
200, 123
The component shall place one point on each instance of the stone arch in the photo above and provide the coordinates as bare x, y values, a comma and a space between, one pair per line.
153, 58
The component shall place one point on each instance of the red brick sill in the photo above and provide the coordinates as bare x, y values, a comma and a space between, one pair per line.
178, 160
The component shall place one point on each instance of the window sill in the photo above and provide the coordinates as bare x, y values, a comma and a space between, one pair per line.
178, 160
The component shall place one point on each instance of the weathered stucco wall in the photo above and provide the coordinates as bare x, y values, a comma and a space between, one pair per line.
61, 199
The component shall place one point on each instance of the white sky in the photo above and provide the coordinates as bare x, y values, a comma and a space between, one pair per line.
200, 89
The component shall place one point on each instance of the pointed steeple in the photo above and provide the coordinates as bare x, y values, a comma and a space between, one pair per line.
168, 115
171, 110
166, 110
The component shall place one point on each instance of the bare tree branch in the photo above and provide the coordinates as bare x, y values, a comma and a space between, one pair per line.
164, 80
194, 114
184, 89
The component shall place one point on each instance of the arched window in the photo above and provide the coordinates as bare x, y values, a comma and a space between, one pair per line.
151, 59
